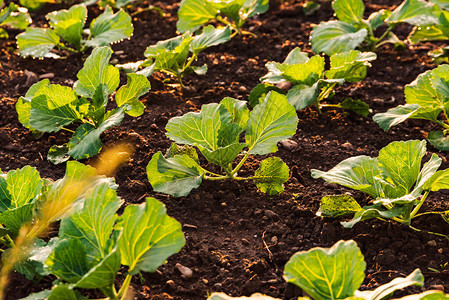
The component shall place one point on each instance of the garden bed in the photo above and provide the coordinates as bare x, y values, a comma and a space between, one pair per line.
237, 239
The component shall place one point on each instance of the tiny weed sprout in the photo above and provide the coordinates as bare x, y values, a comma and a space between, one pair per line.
426, 99
194, 14
215, 131
176, 55
13, 16
68, 25
324, 274
395, 179
351, 31
51, 107
311, 83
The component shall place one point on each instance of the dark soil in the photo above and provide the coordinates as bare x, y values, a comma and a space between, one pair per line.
237, 239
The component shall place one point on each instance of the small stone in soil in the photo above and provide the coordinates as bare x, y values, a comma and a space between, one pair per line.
186, 272
242, 89
289, 144
270, 214
347, 145
154, 127
47, 76
432, 243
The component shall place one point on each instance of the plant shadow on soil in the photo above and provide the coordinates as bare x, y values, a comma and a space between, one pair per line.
237, 239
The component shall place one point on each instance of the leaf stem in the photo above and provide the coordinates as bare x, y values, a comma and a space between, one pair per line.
124, 289
64, 47
429, 232
66, 129
384, 35
421, 202
239, 166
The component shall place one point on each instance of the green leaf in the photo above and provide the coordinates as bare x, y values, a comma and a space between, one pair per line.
422, 91
58, 154
350, 65
95, 72
271, 175
223, 156
18, 19
129, 94
271, 121
165, 45
23, 105
63, 292
395, 116
350, 11
375, 211
175, 176
176, 149
415, 12
257, 296
53, 107
335, 36
259, 93
357, 106
238, 110
193, 14
210, 37
337, 205
327, 273
37, 42
302, 96
149, 236
427, 33
428, 295
385, 290
69, 24
109, 28
86, 140
68, 260
376, 19
439, 140
438, 181
94, 224
307, 73
13, 219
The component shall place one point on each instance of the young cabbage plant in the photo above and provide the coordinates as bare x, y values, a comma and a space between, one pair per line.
395, 179
325, 274
176, 55
311, 83
68, 25
215, 131
95, 242
193, 14
13, 16
51, 107
426, 99
351, 31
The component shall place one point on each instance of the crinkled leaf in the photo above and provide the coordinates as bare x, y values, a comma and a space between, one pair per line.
223, 156
13, 219
374, 211
307, 73
350, 65
383, 291
97, 71
193, 14
327, 273
210, 36
186, 149
37, 42
337, 205
238, 110
86, 140
438, 181
439, 140
169, 45
335, 37
357, 106
222, 296
271, 121
69, 24
422, 91
109, 28
175, 176
149, 236
23, 105
271, 175
275, 72
129, 94
415, 12
94, 224
376, 19
259, 93
350, 11
302, 96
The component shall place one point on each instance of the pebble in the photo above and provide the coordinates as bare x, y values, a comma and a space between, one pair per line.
242, 89
31, 78
270, 214
218, 285
347, 145
432, 243
154, 127
186, 272
47, 76
223, 204
440, 250
289, 144
170, 283
205, 281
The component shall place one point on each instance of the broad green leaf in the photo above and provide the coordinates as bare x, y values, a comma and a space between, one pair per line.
129, 94
302, 95
439, 140
37, 42
395, 116
13, 219
175, 176
375, 211
186, 149
18, 19
440, 81
5, 12
43, 295
68, 260
385, 290
376, 19
53, 107
197, 128
257, 296
271, 175
296, 56
149, 236
335, 37
275, 72
422, 91
97, 71
271, 121
23, 105
58, 154
69, 24
238, 110
63, 292
438, 181
337, 205
223, 156
327, 273
427, 33
400, 163
357, 106
210, 37
251, 8
197, 70
259, 93
109, 28
415, 12
86, 140
428, 295
350, 11
94, 224
193, 14
350, 65
34, 266
307, 73
169, 44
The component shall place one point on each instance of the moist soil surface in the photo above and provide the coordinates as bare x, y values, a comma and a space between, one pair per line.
237, 239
